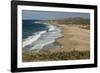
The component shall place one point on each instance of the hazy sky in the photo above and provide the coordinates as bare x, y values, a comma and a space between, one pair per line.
45, 15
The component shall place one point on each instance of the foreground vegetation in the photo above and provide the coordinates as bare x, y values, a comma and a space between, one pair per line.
51, 56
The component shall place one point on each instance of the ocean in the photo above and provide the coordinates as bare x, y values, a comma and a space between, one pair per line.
29, 27
36, 35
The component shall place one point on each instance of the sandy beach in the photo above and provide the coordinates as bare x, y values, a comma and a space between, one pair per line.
74, 38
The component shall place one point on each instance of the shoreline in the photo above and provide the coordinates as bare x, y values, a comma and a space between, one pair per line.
70, 39
73, 38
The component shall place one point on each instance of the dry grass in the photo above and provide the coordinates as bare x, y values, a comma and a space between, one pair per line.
52, 56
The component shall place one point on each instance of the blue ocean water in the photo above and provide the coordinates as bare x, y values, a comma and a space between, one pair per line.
29, 27
36, 35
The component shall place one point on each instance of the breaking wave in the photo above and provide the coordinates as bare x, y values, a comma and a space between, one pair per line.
40, 39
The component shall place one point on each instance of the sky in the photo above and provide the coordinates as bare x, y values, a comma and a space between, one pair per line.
47, 15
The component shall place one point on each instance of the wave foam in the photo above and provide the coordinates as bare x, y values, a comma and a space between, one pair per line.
32, 38
42, 38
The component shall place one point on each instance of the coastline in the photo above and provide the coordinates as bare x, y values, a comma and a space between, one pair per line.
73, 38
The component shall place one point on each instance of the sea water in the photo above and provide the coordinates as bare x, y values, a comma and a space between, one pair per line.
36, 35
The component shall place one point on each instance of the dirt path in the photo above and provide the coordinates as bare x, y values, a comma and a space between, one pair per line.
75, 38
